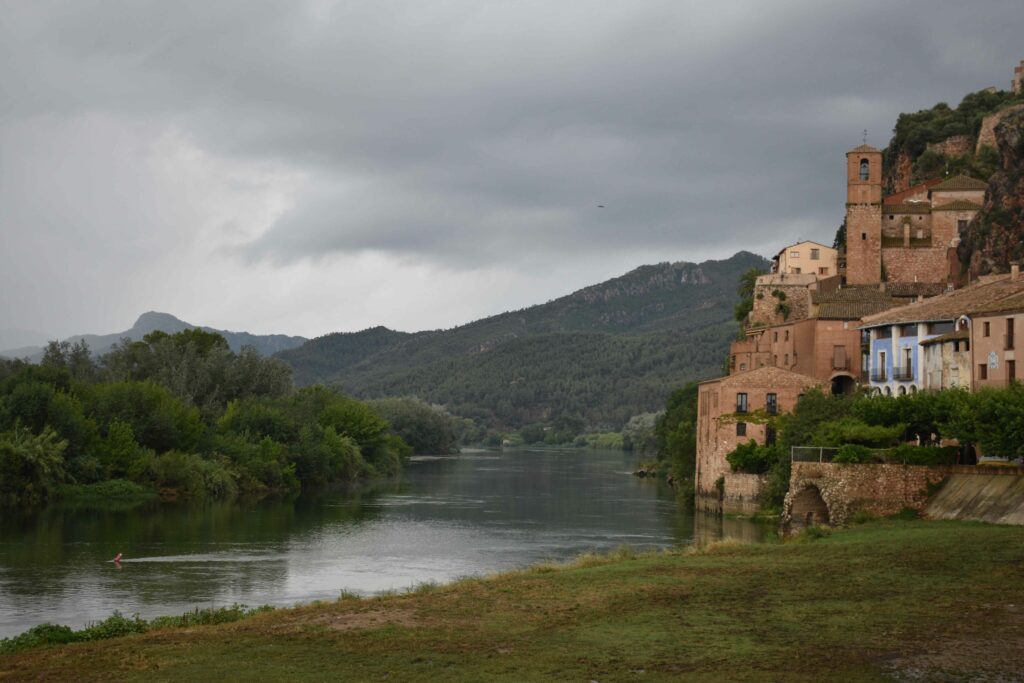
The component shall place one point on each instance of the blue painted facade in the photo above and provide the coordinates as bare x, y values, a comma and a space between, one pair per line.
897, 346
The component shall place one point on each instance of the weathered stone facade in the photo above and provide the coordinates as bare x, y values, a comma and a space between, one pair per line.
720, 428
921, 264
776, 303
846, 489
955, 146
987, 134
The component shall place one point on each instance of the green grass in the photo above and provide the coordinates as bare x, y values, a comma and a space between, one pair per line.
885, 599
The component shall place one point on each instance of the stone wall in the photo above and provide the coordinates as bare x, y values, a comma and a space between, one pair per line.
924, 264
798, 300
955, 146
847, 489
863, 244
739, 494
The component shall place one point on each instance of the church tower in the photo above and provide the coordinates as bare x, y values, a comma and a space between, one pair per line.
863, 216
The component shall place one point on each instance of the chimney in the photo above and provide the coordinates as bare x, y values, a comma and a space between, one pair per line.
1014, 271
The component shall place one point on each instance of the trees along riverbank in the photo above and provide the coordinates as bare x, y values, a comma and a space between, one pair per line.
180, 415
887, 599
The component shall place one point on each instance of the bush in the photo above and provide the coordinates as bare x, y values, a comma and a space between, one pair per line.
852, 431
752, 458
850, 454
909, 454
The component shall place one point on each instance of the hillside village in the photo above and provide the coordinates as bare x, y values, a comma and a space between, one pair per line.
889, 308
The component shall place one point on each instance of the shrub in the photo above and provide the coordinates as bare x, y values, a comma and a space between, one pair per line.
850, 454
752, 458
909, 454
850, 430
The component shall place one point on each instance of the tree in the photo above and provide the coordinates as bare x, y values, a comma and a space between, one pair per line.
31, 466
745, 290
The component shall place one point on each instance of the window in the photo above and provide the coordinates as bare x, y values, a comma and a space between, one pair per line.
787, 360
741, 403
823, 270
865, 169
986, 329
743, 366
908, 330
776, 335
796, 271
883, 333
815, 254
741, 429
1008, 345
982, 371
794, 254
961, 226
920, 232
769, 435
891, 216
771, 403
908, 357
863, 236
1011, 370
940, 328
786, 335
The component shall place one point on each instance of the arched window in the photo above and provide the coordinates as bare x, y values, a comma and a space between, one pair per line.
901, 390
888, 391
864, 169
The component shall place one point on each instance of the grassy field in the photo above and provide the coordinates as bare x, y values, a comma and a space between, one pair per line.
903, 600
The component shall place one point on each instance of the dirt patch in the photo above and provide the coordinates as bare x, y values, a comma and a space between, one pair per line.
992, 656
353, 621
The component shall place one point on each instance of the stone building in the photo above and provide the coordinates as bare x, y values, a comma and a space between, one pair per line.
895, 337
909, 237
946, 361
807, 257
993, 329
722, 405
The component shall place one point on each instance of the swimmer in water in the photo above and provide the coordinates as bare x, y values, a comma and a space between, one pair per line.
117, 559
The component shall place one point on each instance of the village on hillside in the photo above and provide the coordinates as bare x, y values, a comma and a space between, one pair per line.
888, 312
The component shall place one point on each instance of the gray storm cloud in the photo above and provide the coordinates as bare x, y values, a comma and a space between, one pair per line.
244, 139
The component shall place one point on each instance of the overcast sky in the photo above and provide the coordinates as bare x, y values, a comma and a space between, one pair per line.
308, 167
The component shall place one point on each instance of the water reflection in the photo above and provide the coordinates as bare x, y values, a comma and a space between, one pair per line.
447, 517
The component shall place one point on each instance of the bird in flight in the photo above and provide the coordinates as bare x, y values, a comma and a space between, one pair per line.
600, 206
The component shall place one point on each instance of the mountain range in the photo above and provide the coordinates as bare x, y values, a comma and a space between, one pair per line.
598, 356
265, 344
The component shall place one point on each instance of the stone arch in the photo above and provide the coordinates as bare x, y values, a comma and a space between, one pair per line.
887, 391
809, 507
901, 390
865, 169
913, 388
843, 384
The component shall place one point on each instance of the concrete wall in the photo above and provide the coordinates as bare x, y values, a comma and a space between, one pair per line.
994, 498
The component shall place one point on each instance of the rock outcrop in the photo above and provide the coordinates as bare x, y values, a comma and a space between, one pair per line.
995, 238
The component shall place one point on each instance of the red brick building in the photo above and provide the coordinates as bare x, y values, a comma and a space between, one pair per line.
721, 406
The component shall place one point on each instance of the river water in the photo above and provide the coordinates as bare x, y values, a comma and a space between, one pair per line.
448, 517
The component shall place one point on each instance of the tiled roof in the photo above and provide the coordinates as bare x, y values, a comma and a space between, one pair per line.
898, 197
958, 205
960, 182
909, 207
863, 148
851, 303
948, 306
949, 336
915, 289
1011, 304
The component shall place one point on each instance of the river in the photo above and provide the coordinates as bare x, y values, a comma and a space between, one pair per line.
447, 517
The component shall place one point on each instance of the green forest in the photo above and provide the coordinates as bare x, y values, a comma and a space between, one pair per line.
183, 416
587, 362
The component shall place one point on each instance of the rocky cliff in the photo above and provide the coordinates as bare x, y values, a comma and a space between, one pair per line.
995, 238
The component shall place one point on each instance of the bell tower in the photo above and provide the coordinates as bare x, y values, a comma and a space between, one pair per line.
863, 216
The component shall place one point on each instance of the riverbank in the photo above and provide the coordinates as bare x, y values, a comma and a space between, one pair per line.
893, 598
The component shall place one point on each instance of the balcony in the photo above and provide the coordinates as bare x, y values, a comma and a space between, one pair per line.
903, 374
840, 363
879, 375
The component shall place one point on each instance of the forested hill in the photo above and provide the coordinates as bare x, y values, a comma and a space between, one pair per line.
265, 344
601, 354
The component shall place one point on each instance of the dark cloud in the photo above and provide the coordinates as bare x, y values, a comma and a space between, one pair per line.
458, 135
